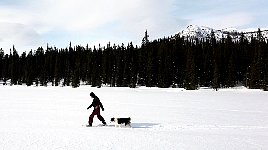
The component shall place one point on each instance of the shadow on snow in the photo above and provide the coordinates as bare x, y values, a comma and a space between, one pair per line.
143, 125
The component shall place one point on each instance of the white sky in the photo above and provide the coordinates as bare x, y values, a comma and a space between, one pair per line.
29, 24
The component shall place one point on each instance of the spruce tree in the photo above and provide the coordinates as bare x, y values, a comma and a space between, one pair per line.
231, 78
190, 76
145, 40
216, 77
29, 70
14, 68
1, 63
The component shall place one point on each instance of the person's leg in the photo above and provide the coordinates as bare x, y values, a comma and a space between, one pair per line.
100, 117
90, 120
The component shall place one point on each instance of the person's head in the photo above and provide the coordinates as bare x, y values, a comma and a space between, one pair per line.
92, 94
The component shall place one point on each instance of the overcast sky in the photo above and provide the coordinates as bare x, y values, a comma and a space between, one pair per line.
29, 24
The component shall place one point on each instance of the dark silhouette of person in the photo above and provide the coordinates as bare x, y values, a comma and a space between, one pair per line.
96, 103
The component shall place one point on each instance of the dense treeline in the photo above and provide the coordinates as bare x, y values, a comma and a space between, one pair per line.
167, 62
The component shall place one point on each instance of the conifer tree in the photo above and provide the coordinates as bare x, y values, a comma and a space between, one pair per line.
14, 66
1, 63
145, 40
231, 72
190, 77
215, 80
29, 70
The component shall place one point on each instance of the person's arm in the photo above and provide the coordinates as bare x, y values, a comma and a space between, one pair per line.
90, 106
101, 106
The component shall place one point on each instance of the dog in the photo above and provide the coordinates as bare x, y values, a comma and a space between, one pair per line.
119, 121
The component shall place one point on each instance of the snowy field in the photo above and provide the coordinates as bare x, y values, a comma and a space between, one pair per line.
54, 118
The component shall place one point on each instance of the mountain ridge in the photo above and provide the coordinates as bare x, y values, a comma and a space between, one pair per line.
203, 32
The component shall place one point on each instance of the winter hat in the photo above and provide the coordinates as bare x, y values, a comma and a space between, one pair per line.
92, 94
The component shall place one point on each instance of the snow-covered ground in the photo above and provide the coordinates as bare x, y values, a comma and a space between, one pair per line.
53, 118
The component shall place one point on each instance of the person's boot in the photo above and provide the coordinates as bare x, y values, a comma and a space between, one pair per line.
104, 123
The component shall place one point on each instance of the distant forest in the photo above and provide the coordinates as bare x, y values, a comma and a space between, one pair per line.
168, 62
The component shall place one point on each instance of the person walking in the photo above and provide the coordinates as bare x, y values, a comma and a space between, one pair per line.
96, 103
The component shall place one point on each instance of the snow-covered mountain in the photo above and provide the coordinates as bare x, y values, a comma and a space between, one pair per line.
203, 32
